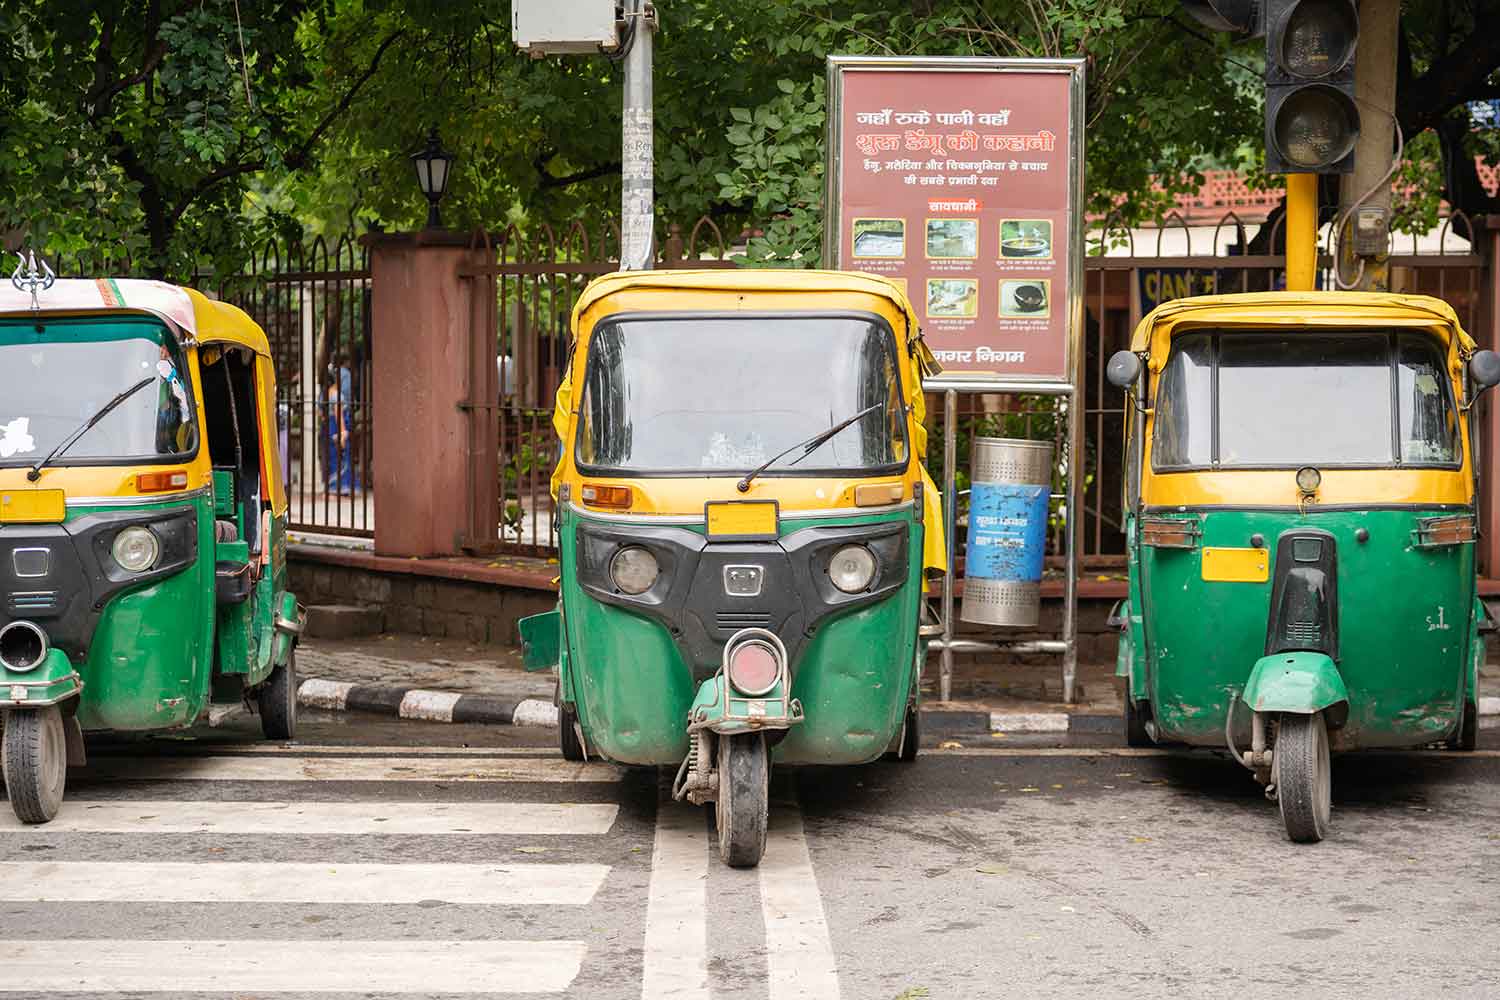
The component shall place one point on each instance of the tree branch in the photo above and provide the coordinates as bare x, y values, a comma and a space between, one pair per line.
602, 170
299, 156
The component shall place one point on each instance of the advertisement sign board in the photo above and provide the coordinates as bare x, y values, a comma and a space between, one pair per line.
961, 180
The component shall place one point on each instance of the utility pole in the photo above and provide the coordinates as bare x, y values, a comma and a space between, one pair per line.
637, 194
1364, 240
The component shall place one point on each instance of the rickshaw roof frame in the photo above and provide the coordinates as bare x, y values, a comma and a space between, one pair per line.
186, 310
1321, 310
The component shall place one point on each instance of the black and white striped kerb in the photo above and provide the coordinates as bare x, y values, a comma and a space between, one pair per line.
429, 706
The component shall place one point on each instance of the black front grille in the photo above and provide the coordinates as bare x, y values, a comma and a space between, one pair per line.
733, 621
36, 602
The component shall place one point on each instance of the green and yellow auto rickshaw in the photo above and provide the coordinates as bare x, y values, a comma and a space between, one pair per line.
1301, 520
744, 524
142, 522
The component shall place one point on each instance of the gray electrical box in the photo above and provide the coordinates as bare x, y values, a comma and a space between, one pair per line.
554, 27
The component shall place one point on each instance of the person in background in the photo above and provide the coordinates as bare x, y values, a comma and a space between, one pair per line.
339, 470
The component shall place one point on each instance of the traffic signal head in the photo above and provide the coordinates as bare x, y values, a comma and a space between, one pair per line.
1311, 120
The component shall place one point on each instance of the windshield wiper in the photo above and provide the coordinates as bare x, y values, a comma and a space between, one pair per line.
809, 446
35, 472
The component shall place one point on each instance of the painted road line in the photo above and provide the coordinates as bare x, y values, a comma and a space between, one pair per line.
286, 882
1029, 722
433, 706
799, 952
327, 750
325, 818
317, 693
1199, 754
675, 966
240, 966
1489, 705
324, 768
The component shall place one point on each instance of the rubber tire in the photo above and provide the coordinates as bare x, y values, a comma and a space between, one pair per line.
1468, 729
1135, 726
277, 700
34, 757
567, 734
743, 807
1303, 776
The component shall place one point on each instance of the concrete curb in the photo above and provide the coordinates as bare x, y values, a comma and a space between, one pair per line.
428, 706
451, 706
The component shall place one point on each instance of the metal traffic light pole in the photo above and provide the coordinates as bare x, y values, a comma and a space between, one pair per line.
637, 199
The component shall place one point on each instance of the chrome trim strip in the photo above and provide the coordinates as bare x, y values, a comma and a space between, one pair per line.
144, 501
786, 515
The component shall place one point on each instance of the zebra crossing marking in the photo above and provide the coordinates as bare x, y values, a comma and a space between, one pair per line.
296, 882
338, 818
324, 768
301, 966
675, 961
799, 951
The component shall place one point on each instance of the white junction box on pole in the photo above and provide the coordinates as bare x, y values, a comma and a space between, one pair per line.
555, 27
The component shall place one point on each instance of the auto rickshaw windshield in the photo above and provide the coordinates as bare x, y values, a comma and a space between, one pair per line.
725, 394
1272, 400
53, 380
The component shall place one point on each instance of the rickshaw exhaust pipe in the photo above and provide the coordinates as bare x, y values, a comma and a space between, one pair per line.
23, 646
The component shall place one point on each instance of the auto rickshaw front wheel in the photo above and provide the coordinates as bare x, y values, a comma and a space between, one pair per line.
743, 806
34, 758
1304, 782
277, 701
568, 740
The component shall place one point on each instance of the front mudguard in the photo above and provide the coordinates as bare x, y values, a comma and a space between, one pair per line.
719, 709
53, 682
1300, 683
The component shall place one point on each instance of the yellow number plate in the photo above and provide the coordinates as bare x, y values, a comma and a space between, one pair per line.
744, 520
32, 506
1236, 565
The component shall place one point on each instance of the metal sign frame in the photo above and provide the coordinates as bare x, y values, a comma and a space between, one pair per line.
1070, 387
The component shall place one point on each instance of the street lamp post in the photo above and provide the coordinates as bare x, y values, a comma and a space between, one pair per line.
432, 163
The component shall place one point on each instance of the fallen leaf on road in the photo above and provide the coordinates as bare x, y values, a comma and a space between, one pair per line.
531, 850
950, 745
1140, 840
992, 869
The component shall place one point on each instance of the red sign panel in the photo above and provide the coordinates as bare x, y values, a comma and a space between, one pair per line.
958, 181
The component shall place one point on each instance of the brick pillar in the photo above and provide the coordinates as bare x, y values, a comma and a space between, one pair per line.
427, 367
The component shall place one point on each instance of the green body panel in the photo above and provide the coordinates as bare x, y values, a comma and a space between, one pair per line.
1300, 682
1405, 627
632, 690
150, 665
541, 636
51, 681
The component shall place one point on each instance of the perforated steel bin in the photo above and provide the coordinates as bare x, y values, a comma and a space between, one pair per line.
1011, 485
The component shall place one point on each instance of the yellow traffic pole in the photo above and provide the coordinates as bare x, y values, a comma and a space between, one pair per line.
1301, 231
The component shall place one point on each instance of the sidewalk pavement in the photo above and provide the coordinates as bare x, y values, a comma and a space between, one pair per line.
449, 680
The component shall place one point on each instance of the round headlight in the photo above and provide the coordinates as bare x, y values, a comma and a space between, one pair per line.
852, 569
136, 549
754, 668
634, 569
1309, 479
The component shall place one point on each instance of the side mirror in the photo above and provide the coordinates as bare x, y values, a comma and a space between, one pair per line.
1484, 369
1125, 367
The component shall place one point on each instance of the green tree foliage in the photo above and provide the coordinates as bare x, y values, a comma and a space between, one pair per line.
179, 130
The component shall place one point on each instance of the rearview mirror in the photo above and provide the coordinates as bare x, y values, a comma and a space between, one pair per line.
1484, 369
1125, 367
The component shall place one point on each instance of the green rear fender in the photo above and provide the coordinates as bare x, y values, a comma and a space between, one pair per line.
1297, 682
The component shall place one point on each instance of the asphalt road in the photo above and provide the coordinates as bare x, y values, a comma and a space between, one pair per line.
381, 858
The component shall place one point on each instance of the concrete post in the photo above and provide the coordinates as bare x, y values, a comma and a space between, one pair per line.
637, 190
426, 479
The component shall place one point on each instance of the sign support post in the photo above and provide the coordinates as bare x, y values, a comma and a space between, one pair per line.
986, 157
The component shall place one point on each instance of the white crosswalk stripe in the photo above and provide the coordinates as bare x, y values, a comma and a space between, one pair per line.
400, 966
289, 882
329, 818
327, 768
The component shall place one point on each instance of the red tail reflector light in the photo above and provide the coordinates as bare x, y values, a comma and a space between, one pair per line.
1432, 532
1169, 533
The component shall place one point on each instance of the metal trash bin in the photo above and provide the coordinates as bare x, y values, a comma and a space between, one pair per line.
1011, 484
